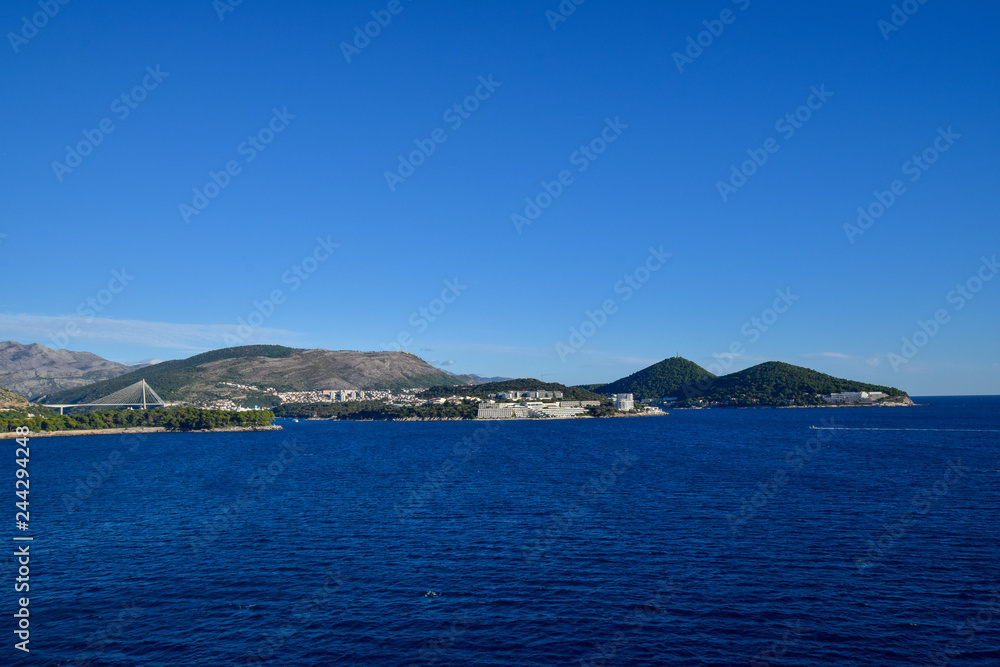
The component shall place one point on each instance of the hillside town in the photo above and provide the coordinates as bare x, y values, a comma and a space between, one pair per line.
501, 405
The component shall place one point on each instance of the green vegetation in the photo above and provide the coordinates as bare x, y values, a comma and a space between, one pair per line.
769, 384
22, 412
181, 419
775, 383
376, 410
523, 384
666, 378
606, 410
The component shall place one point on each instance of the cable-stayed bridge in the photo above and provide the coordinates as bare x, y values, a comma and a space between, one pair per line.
138, 395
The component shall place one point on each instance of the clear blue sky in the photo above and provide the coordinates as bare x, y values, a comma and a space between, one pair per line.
609, 69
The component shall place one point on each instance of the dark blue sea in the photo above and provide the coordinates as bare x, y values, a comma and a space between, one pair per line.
706, 537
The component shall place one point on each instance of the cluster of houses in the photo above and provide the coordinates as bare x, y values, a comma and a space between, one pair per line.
502, 405
328, 395
332, 396
226, 404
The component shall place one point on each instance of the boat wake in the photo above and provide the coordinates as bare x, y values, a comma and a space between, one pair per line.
947, 430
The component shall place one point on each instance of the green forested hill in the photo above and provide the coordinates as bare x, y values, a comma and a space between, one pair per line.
770, 383
666, 378
778, 383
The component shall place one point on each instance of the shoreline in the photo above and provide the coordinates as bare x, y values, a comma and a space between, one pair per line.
134, 430
801, 407
475, 419
275, 427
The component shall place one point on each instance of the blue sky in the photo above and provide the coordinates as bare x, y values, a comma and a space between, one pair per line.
640, 137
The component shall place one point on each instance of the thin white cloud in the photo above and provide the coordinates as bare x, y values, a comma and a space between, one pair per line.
58, 331
828, 355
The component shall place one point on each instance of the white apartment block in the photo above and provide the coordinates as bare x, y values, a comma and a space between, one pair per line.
623, 402
487, 411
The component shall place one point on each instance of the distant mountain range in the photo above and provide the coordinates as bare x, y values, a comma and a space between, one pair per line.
80, 377
200, 378
35, 370
472, 378
770, 383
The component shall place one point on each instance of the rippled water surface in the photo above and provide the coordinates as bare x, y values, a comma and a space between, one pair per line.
700, 538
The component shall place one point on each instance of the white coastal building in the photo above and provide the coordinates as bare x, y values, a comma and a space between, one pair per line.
501, 411
623, 402
855, 397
